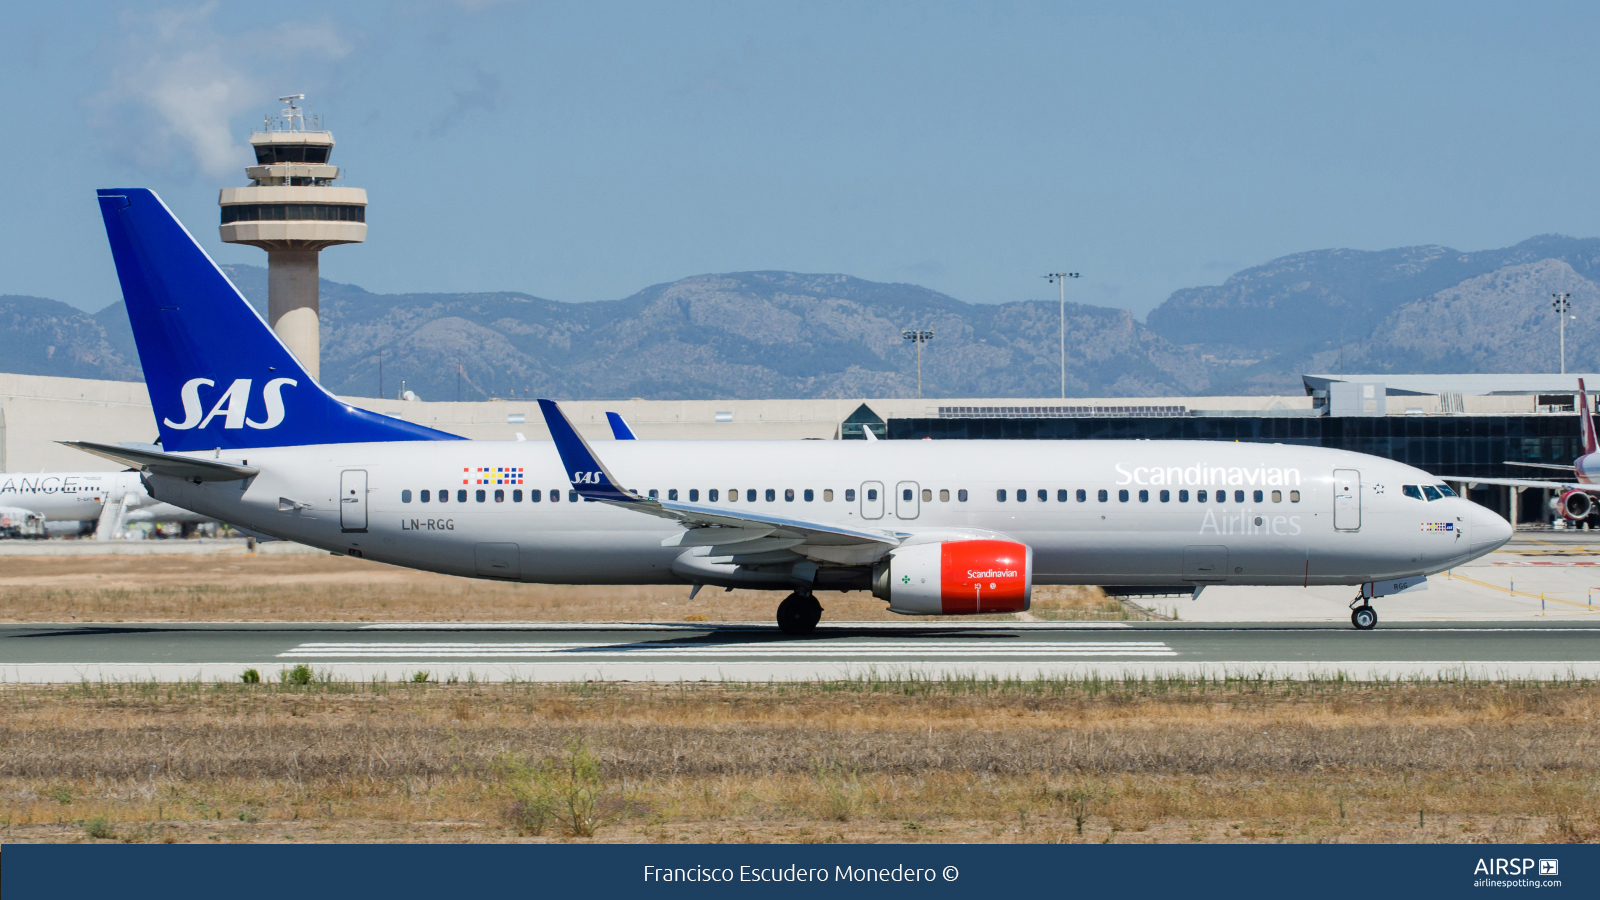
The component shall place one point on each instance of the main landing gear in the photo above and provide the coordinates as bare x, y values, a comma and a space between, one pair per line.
799, 614
1363, 617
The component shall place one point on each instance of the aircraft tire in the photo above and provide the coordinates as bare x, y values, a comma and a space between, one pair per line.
1364, 618
799, 614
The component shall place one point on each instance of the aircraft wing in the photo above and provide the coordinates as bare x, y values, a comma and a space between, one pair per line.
1555, 485
1541, 466
619, 427
152, 458
706, 525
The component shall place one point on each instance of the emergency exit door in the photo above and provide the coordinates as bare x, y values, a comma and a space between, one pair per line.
907, 500
1346, 500
353, 500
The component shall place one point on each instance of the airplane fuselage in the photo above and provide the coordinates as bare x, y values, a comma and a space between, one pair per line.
1094, 512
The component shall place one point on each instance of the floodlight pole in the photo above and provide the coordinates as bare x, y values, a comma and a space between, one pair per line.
1560, 304
1060, 278
919, 338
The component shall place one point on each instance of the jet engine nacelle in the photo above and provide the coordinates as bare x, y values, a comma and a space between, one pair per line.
957, 578
1574, 506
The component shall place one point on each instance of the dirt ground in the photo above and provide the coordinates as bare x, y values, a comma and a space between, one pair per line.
245, 587
1050, 761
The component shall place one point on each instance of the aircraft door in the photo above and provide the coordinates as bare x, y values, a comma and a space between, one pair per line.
872, 500
496, 560
1346, 500
1205, 563
907, 500
353, 500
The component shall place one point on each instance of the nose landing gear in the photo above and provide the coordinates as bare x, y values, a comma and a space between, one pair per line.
799, 614
1363, 617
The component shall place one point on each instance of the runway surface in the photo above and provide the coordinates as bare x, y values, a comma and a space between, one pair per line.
757, 652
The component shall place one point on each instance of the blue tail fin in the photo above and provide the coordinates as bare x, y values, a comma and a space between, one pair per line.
217, 375
619, 428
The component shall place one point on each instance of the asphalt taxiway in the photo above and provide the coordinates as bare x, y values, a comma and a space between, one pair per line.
673, 652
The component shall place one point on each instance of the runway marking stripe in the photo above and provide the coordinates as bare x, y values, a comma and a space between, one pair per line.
796, 648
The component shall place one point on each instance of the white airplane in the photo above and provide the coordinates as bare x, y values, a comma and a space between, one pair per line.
931, 527
1576, 499
110, 499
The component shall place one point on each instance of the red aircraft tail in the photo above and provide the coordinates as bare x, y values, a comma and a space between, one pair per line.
1589, 443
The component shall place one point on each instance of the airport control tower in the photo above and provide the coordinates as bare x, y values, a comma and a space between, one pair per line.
292, 210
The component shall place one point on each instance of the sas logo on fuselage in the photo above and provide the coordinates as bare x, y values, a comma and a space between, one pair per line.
232, 405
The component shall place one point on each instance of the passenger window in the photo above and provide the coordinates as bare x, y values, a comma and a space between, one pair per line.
1083, 496
1000, 495
872, 493
750, 495
516, 496
1446, 490
1238, 496
694, 495
1103, 495
827, 495
461, 496
555, 496
944, 496
482, 495
1144, 496
1199, 496
809, 495
572, 496
1022, 496
1043, 495
1122, 496
444, 496
1294, 496
1277, 496
1258, 496
654, 494
712, 495
1431, 492
849, 495
405, 496
771, 495
1166, 496
905, 494
1061, 495
499, 496
535, 496
788, 495
1183, 496
733, 495
424, 497
672, 493
927, 495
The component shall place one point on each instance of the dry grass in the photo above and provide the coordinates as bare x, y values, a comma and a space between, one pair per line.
244, 587
862, 761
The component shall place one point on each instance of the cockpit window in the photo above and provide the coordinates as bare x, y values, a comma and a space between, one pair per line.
1431, 492
1445, 490
1412, 491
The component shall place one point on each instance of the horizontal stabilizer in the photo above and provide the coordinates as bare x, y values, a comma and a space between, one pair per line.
152, 459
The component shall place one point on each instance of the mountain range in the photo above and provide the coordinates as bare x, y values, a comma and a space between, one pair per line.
782, 334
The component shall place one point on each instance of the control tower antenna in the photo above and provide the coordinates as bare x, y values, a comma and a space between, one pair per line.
292, 210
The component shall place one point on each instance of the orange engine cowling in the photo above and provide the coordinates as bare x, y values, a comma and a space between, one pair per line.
957, 578
1574, 506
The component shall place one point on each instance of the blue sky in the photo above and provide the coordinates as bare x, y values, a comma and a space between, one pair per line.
585, 151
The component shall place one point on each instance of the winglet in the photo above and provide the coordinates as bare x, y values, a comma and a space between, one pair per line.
1590, 445
588, 475
619, 428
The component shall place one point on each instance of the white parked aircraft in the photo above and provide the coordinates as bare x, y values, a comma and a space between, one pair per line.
1575, 499
931, 527
110, 499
